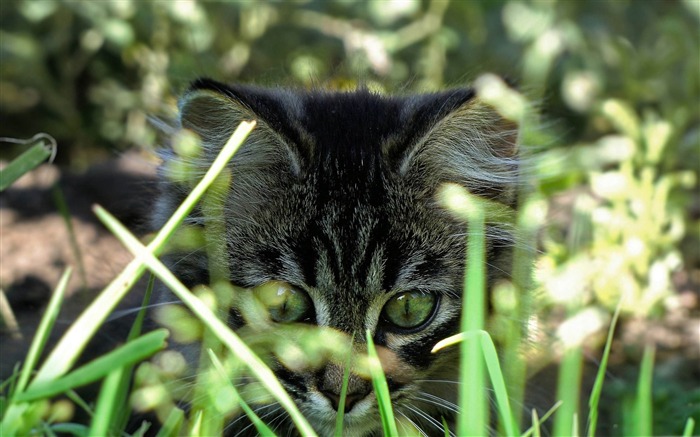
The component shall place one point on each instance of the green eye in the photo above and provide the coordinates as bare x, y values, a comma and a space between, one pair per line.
410, 309
285, 303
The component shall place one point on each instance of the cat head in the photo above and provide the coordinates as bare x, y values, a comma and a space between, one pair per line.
331, 219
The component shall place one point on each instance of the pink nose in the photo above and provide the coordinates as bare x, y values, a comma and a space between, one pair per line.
350, 399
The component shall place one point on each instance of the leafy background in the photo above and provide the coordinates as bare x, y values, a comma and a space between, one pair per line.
615, 131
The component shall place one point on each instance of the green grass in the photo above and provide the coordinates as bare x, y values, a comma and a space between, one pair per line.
42, 147
30, 402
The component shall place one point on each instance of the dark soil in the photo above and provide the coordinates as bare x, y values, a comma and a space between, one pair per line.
36, 245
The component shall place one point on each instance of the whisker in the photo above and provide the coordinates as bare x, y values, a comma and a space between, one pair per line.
437, 400
415, 425
123, 313
428, 418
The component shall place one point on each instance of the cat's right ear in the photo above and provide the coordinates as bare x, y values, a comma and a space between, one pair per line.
213, 111
212, 115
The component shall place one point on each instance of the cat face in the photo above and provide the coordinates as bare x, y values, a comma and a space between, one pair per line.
331, 220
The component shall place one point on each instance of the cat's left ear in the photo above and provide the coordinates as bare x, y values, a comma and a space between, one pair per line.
463, 140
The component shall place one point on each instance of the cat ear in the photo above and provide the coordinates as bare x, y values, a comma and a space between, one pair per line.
212, 115
464, 141
213, 111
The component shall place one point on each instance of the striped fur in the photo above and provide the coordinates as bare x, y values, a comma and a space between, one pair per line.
334, 193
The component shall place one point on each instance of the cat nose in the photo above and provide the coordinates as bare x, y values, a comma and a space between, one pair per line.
350, 399
330, 383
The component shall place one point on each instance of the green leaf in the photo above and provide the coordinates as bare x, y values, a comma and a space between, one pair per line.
27, 161
130, 353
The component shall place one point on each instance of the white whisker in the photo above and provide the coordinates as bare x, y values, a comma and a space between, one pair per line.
123, 313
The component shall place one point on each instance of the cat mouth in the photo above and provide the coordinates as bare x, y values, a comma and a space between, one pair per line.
361, 420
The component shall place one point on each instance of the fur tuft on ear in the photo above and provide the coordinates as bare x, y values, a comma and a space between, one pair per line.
471, 145
212, 116
213, 111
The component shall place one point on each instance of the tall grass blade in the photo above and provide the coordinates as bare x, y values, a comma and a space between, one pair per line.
10, 323
340, 414
108, 404
493, 366
234, 343
62, 206
689, 425
28, 160
514, 366
72, 343
73, 429
568, 390
643, 411
43, 331
381, 389
594, 399
508, 421
196, 427
536, 424
473, 416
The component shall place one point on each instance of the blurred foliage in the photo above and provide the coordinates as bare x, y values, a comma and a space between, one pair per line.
615, 136
616, 86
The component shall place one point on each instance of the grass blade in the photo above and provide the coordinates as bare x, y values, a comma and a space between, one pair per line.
510, 424
600, 376
74, 340
234, 343
125, 383
108, 403
27, 161
343, 395
129, 353
568, 390
536, 424
9, 321
689, 425
263, 429
643, 410
381, 389
43, 332
473, 417
72, 429
544, 418
60, 201
173, 424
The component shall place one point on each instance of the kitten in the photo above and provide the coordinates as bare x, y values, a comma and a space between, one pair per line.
331, 219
